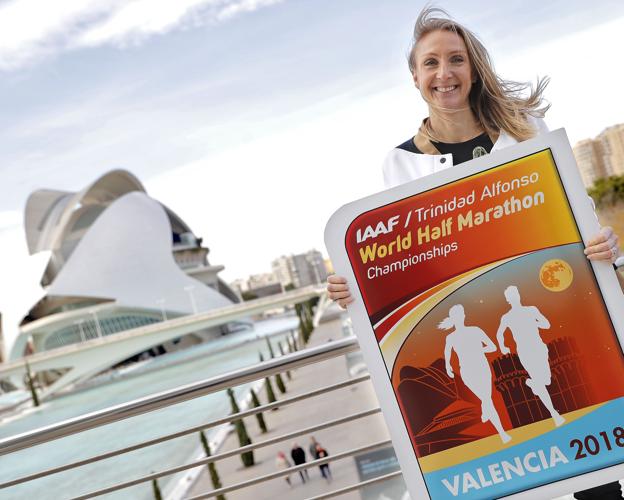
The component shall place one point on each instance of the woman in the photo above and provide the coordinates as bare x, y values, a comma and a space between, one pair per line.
321, 452
470, 345
472, 111
282, 463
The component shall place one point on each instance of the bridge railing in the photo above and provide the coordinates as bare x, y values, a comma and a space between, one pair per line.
198, 389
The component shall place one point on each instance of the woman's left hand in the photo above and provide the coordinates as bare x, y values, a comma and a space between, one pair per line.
604, 246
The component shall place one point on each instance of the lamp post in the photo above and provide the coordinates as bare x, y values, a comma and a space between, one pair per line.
81, 330
161, 303
97, 324
189, 289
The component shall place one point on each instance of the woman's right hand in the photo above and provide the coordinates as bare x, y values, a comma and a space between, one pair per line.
338, 290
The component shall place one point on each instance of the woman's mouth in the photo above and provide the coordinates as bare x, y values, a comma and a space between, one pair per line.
445, 89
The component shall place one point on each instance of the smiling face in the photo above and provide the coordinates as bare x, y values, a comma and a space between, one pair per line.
442, 70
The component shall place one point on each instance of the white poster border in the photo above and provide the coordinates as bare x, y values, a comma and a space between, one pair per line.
582, 209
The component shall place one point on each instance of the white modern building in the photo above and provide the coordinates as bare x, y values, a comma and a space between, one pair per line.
116, 259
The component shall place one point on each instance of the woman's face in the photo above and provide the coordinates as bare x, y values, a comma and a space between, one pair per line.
443, 72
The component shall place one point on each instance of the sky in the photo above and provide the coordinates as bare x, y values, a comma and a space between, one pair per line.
255, 120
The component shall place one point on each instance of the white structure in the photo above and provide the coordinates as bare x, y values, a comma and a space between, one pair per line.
117, 259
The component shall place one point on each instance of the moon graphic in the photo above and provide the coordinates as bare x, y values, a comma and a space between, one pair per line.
556, 275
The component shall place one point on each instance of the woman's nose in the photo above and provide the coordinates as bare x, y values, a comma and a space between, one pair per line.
444, 71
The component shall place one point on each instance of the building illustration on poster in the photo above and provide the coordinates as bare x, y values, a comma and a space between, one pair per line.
479, 299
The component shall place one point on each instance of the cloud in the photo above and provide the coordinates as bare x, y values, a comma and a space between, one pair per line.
9, 219
31, 30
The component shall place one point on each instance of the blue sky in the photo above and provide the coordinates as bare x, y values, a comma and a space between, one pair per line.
256, 119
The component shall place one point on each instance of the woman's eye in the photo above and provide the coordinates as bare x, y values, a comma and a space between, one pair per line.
430, 62
457, 59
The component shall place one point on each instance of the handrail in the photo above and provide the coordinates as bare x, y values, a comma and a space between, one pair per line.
177, 395
191, 430
357, 486
238, 451
286, 472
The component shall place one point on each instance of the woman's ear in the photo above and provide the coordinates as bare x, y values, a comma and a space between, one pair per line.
415, 80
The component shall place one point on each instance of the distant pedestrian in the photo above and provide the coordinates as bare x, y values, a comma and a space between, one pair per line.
322, 453
298, 455
282, 463
313, 444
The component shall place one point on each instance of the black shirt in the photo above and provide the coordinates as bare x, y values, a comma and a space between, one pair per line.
461, 151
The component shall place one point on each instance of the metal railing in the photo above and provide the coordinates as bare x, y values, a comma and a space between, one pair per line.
168, 398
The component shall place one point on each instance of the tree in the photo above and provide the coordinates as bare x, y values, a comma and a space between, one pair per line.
608, 191
269, 387
156, 490
248, 296
259, 416
278, 378
271, 352
280, 383
282, 353
303, 323
292, 342
243, 438
30, 380
214, 475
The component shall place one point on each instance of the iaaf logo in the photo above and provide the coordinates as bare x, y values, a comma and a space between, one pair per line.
381, 228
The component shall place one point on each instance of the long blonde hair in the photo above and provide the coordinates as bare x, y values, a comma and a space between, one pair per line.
496, 103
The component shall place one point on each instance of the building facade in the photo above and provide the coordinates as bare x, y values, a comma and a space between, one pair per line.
601, 157
612, 141
301, 269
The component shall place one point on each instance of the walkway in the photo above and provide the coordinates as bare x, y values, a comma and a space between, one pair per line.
299, 415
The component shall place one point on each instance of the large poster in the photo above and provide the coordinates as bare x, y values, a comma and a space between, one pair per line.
495, 337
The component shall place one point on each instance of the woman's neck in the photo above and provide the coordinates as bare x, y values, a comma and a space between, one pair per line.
453, 127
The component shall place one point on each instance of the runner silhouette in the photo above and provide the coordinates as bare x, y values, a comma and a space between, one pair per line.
525, 323
470, 344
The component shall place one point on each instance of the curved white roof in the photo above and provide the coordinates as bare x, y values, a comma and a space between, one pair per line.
111, 241
126, 256
49, 214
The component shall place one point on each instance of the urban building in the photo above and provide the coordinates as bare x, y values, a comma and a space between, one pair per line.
588, 156
601, 157
116, 259
258, 285
281, 269
301, 269
612, 141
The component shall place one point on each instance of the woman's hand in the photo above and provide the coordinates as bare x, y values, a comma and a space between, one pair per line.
338, 290
604, 246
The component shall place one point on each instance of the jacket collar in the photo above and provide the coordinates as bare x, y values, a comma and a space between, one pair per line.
425, 146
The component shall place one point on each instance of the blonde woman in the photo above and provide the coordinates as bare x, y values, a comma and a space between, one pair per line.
472, 111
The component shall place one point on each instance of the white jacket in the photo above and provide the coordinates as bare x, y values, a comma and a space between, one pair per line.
402, 166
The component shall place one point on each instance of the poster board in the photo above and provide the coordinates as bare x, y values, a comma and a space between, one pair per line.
494, 345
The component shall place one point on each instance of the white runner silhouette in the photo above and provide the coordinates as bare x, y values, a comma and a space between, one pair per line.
470, 344
525, 323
